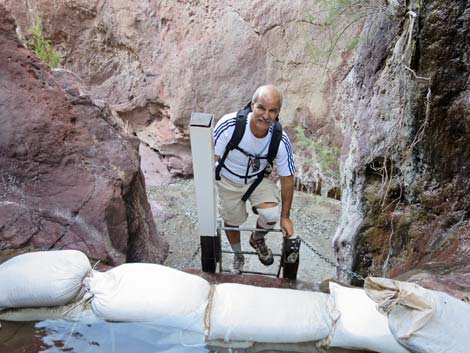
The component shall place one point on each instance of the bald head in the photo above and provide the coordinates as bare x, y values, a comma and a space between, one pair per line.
269, 92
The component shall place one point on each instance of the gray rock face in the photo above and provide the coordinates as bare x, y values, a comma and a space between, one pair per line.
70, 177
156, 62
370, 125
406, 156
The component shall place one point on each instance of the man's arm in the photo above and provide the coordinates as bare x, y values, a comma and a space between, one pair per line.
287, 195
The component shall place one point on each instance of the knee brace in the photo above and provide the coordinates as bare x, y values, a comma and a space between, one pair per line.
268, 217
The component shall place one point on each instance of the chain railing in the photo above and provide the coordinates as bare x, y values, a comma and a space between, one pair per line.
309, 246
331, 263
191, 259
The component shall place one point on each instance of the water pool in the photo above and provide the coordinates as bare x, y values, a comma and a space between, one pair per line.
54, 336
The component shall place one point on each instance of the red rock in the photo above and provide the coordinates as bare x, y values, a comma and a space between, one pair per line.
70, 178
156, 62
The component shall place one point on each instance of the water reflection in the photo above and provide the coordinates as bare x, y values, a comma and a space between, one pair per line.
54, 336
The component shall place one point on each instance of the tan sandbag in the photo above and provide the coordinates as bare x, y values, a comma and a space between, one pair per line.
423, 320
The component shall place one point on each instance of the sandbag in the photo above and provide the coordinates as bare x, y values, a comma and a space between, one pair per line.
358, 323
271, 315
221, 346
75, 311
150, 292
423, 320
43, 278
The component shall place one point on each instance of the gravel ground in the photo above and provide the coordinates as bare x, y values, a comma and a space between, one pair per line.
315, 219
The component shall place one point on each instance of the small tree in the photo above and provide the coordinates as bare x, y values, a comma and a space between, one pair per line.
326, 157
41, 46
339, 22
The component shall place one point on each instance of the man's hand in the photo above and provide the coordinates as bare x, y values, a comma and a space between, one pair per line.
287, 227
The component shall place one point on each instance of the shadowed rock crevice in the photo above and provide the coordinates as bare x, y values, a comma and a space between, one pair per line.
140, 246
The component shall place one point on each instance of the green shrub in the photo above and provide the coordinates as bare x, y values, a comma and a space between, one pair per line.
327, 157
339, 22
41, 46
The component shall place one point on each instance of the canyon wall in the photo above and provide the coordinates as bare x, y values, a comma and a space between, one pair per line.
70, 176
397, 102
406, 156
155, 62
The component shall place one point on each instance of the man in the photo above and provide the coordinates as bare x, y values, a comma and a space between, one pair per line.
241, 168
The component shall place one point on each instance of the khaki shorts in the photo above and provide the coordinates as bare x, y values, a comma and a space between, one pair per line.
233, 209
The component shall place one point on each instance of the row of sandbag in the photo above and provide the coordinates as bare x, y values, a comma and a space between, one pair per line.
346, 318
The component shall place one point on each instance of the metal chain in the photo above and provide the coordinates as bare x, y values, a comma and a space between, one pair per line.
185, 265
309, 246
331, 263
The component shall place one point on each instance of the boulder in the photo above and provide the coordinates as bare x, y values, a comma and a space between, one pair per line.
70, 176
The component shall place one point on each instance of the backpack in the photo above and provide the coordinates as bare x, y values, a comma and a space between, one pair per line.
240, 125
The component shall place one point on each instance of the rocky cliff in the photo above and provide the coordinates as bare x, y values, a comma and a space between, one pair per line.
70, 178
406, 156
155, 62
398, 104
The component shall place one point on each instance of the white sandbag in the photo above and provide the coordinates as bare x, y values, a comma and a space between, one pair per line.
75, 311
359, 325
44, 278
272, 315
423, 320
150, 292
221, 346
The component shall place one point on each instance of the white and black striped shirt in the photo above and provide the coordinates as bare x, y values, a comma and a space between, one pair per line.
238, 162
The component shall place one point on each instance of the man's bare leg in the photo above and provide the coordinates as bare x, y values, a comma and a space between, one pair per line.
233, 237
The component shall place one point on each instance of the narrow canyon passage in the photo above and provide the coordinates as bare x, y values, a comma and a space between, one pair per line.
315, 219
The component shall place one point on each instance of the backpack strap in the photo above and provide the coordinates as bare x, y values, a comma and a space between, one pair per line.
272, 152
275, 142
240, 125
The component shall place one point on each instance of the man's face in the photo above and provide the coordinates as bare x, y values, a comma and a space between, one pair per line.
265, 110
